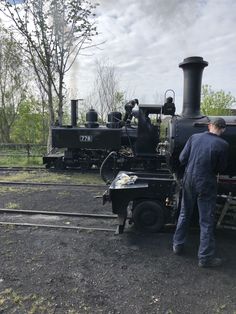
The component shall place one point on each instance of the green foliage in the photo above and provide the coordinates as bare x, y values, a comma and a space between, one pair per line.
31, 124
12, 82
216, 103
53, 33
119, 99
163, 128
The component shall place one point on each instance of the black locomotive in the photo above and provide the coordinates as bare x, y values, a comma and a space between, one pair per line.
152, 199
120, 144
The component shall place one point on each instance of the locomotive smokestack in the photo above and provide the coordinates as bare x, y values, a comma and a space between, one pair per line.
193, 68
74, 107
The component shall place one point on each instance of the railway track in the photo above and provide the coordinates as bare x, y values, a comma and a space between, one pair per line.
9, 170
16, 169
19, 214
19, 217
56, 184
67, 170
26, 218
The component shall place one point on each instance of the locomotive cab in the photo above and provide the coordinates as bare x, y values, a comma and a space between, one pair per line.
148, 130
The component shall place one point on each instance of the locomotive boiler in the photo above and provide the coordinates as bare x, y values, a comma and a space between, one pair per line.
192, 120
150, 200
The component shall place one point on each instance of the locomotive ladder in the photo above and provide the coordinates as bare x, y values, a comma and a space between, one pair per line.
227, 218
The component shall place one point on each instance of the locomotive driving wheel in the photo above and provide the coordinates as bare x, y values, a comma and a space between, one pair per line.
148, 216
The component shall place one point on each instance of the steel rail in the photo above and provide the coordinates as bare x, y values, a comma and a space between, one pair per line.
53, 213
71, 169
51, 184
24, 224
21, 168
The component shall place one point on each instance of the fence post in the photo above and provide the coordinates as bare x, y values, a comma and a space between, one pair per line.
28, 150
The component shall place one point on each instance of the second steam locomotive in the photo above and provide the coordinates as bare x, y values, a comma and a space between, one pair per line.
120, 144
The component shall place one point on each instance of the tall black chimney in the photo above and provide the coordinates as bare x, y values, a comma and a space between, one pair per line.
74, 108
193, 68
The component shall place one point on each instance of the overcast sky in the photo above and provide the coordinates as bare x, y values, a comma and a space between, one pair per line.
147, 39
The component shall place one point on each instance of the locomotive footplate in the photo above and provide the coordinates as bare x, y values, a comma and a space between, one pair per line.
226, 212
226, 203
145, 199
150, 200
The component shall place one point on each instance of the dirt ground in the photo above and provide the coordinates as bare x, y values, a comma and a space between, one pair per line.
61, 271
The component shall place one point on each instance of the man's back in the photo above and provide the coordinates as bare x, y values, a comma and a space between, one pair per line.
205, 154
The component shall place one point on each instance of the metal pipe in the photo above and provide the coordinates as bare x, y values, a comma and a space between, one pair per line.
192, 68
74, 108
53, 213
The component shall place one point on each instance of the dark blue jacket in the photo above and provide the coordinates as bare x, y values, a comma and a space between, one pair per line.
204, 155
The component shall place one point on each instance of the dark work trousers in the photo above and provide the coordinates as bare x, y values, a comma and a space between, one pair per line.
203, 191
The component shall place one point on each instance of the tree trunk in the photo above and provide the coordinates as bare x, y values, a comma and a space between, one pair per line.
60, 100
51, 117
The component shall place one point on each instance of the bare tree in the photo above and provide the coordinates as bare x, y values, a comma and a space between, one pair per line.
107, 88
12, 83
53, 33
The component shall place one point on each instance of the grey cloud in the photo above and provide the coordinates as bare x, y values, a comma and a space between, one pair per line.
147, 39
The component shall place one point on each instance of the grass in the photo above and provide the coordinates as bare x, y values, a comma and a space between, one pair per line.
44, 176
18, 161
22, 190
13, 302
49, 177
12, 205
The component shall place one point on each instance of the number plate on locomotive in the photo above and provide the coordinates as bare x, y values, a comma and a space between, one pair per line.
86, 138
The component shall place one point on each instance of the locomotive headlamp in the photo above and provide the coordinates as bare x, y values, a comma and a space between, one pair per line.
169, 107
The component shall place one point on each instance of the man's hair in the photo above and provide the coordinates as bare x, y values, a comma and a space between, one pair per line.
218, 122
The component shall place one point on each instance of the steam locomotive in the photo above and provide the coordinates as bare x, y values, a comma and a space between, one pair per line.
119, 145
150, 200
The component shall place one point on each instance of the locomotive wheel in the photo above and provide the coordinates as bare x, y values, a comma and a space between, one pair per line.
148, 216
59, 165
48, 165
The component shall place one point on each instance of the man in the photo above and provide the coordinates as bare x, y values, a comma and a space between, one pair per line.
204, 156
